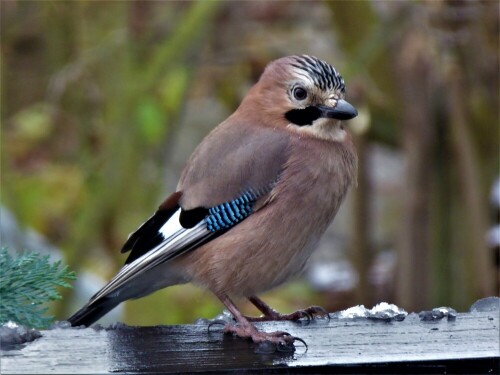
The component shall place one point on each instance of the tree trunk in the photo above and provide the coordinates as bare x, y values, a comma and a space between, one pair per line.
413, 69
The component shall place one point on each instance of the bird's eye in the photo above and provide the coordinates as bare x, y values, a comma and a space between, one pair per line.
299, 93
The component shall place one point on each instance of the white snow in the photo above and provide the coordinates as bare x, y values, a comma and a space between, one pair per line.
10, 324
382, 310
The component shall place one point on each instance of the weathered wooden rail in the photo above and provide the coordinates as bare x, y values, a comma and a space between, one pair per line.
467, 344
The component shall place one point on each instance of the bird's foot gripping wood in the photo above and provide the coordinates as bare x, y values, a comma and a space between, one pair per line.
267, 342
310, 313
270, 314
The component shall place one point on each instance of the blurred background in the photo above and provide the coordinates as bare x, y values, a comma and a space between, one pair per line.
102, 103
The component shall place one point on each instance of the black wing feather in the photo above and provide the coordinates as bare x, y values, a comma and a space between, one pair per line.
148, 235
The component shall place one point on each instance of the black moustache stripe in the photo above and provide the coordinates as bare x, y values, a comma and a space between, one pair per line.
304, 116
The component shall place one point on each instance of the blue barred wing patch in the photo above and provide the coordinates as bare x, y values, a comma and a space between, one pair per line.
228, 214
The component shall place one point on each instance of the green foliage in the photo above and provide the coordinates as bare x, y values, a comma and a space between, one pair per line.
151, 121
27, 282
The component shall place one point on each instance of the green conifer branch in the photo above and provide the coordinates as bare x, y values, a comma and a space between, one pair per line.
27, 283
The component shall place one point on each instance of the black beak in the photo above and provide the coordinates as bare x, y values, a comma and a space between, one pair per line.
342, 111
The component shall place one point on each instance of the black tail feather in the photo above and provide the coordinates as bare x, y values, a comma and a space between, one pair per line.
89, 314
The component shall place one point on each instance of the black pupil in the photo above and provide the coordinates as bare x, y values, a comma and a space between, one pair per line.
299, 93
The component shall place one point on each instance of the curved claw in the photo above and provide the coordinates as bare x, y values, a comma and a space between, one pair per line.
302, 341
221, 322
287, 345
308, 316
318, 310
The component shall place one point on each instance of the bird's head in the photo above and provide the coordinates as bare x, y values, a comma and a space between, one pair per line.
304, 94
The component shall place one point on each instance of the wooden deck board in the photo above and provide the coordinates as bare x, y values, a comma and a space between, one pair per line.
469, 344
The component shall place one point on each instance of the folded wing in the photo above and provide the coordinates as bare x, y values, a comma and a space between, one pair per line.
227, 178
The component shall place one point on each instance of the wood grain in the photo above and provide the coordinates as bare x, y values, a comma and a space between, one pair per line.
469, 344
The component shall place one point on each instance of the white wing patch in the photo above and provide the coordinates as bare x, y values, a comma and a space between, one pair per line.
176, 238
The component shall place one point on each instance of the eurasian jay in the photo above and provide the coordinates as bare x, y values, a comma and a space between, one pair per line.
252, 202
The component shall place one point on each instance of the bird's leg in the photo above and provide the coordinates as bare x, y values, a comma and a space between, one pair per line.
244, 329
271, 314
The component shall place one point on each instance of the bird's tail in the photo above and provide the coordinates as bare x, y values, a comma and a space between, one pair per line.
90, 313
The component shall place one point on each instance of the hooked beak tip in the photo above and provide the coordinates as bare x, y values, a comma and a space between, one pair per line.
342, 111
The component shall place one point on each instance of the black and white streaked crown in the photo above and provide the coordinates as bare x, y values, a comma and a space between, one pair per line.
322, 74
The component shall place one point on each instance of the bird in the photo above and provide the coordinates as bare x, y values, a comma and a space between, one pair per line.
252, 202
